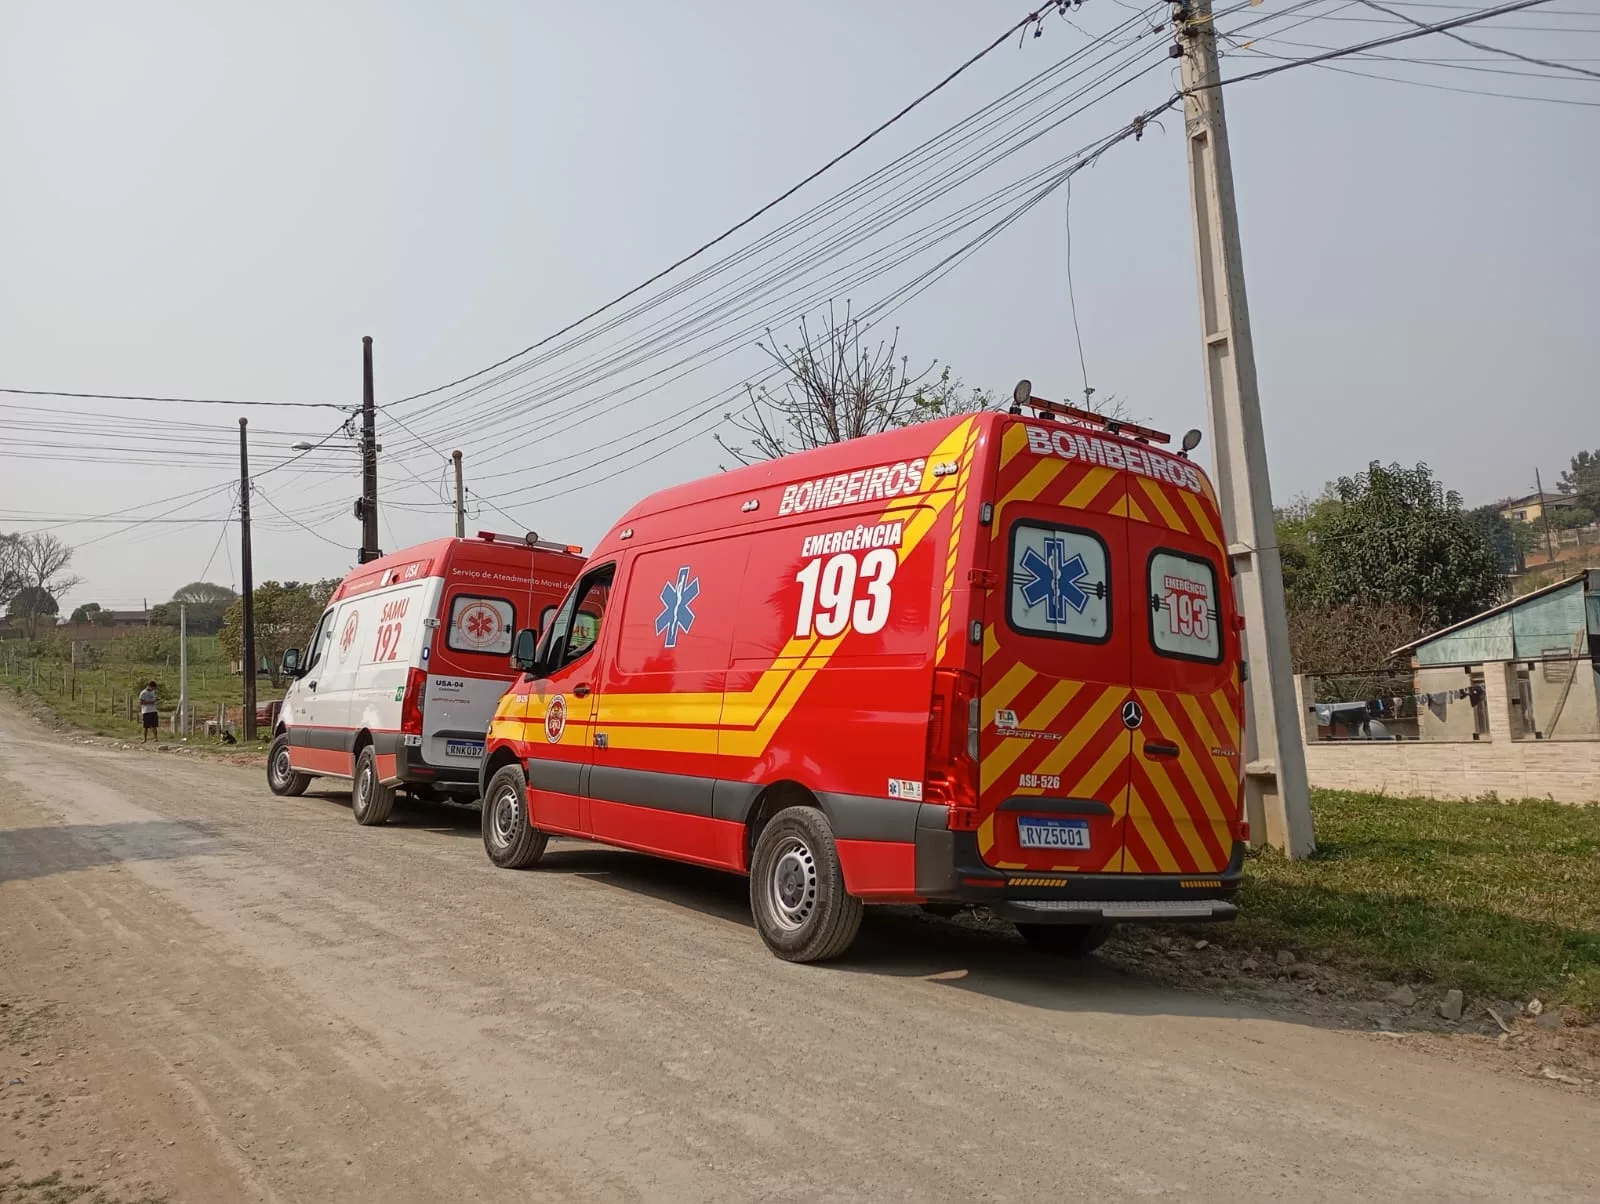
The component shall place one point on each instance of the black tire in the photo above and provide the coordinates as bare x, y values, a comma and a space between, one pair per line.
370, 800
797, 894
282, 779
511, 841
1065, 940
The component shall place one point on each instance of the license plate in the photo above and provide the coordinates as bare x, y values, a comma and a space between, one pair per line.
463, 748
1053, 833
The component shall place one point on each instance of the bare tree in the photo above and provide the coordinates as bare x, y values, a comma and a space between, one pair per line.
836, 387
44, 562
12, 577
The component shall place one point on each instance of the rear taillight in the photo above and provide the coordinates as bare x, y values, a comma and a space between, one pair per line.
953, 724
411, 703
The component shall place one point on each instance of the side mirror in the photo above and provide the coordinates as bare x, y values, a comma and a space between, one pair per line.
524, 649
291, 662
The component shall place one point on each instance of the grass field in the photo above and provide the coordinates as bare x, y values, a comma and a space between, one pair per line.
92, 688
1499, 899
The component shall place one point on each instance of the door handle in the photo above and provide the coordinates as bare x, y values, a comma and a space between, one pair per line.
600, 740
312, 686
1154, 749
581, 690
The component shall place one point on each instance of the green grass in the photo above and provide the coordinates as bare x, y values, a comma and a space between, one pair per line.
1499, 899
94, 696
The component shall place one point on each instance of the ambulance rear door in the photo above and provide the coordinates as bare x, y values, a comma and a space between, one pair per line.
1185, 794
1054, 744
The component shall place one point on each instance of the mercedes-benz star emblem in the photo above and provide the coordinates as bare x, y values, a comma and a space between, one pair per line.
1132, 714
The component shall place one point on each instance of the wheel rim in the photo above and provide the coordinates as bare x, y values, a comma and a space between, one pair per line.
792, 884
363, 790
280, 767
504, 817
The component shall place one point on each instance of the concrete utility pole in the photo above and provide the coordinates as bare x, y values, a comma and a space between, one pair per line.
1277, 797
461, 499
247, 602
183, 669
367, 507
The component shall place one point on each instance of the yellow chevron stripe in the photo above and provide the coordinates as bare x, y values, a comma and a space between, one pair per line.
1032, 484
1135, 513
1086, 490
1139, 817
1202, 789
1072, 743
1230, 720
1203, 525
1158, 498
1005, 754
1179, 814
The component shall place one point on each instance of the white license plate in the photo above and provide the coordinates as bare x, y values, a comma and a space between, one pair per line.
463, 748
1053, 833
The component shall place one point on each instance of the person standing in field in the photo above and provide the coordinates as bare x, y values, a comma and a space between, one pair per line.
148, 713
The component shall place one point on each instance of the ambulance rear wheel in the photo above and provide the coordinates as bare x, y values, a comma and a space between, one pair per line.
797, 889
510, 839
370, 800
282, 779
1065, 940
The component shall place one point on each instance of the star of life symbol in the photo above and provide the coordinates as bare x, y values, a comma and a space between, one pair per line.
677, 613
1054, 579
480, 625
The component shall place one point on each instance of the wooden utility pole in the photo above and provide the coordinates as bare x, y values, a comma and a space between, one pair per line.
461, 499
1544, 513
247, 605
367, 508
1277, 796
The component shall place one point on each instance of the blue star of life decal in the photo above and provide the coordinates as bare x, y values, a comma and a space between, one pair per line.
1054, 579
677, 613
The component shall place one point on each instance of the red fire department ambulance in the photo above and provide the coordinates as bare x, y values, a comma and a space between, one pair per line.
991, 659
402, 675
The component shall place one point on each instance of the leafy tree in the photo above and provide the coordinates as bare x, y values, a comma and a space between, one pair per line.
1582, 479
1509, 540
1395, 535
93, 613
285, 615
30, 604
206, 603
1352, 638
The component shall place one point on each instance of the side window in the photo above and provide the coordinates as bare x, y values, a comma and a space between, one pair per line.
1059, 583
318, 648
1184, 618
480, 624
576, 626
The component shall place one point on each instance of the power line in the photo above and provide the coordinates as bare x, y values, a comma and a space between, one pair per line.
1031, 18
1375, 43
187, 401
1526, 58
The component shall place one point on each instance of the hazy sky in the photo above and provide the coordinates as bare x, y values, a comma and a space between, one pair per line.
219, 200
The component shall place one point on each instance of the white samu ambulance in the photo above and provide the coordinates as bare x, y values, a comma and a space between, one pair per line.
400, 679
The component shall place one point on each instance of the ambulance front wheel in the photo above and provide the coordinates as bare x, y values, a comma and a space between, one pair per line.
281, 776
797, 889
370, 799
510, 839
1065, 940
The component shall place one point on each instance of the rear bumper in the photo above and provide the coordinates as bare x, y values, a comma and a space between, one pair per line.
950, 870
411, 769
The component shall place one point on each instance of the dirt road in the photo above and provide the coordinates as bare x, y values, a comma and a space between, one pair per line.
214, 995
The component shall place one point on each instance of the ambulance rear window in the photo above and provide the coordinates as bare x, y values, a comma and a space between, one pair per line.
1059, 583
1184, 619
480, 624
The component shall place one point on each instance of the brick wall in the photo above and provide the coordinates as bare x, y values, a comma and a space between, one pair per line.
1565, 770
